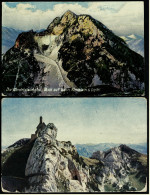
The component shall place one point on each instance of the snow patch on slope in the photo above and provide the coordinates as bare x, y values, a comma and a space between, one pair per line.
96, 80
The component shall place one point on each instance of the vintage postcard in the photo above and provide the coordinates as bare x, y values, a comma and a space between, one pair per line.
66, 145
73, 48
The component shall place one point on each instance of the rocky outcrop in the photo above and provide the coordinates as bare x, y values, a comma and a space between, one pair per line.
75, 51
52, 165
25, 40
121, 163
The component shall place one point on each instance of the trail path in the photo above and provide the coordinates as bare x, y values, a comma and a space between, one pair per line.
55, 76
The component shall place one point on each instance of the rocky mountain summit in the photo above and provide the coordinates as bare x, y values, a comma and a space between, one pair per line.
74, 52
45, 164
88, 149
120, 163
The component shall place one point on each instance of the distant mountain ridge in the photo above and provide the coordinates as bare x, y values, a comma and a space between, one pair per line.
9, 36
131, 37
135, 42
88, 149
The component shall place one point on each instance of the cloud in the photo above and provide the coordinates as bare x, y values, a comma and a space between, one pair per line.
22, 6
121, 17
111, 6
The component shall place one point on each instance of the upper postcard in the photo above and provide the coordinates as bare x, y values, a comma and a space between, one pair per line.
73, 48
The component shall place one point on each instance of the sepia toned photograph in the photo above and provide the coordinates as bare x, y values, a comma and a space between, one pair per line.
65, 145
73, 48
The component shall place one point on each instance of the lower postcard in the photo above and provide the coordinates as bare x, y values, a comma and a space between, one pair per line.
65, 145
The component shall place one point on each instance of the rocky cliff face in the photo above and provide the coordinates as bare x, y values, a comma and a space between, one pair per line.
48, 165
73, 52
122, 164
53, 166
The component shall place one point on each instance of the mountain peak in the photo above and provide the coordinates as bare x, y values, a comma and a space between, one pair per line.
89, 53
127, 149
69, 12
68, 17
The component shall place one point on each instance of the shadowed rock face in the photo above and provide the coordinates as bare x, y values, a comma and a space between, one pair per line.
74, 172
14, 159
76, 51
13, 184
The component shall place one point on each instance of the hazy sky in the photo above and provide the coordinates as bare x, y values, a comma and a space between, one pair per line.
124, 17
79, 120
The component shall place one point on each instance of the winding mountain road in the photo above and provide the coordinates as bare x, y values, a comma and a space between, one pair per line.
55, 76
